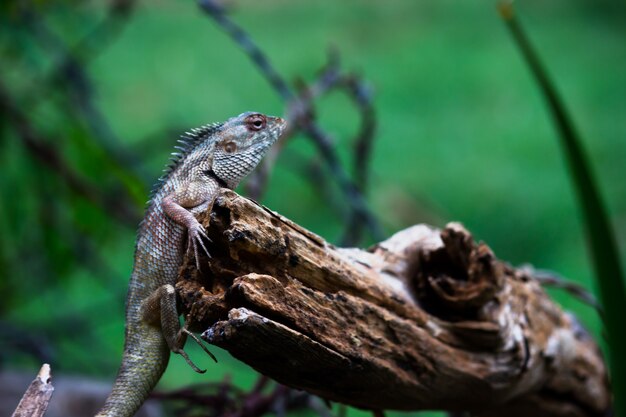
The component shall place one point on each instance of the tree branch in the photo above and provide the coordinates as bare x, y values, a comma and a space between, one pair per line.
35, 401
49, 156
299, 116
428, 319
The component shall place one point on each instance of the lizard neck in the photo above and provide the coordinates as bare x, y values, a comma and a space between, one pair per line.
211, 174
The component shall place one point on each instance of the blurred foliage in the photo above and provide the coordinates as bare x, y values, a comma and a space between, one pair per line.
462, 135
598, 229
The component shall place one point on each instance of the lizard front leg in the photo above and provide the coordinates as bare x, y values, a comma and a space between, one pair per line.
160, 307
174, 209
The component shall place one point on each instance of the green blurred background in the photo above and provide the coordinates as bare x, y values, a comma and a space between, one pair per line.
463, 135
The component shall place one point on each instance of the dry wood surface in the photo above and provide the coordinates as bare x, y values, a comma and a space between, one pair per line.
427, 319
35, 401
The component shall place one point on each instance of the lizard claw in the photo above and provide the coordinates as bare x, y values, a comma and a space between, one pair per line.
180, 342
189, 362
199, 342
196, 235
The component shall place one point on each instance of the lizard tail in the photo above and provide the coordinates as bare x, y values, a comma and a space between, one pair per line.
145, 358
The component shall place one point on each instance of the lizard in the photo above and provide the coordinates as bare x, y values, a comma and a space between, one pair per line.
211, 157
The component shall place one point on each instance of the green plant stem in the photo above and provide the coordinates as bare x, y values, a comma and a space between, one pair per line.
603, 243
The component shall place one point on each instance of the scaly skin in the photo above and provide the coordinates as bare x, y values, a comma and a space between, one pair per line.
212, 157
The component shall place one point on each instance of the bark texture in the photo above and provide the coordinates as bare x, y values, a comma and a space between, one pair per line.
35, 401
428, 319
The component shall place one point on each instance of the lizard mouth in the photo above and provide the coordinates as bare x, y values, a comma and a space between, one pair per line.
279, 125
275, 129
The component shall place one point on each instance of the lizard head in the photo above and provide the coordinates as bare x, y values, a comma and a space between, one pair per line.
242, 142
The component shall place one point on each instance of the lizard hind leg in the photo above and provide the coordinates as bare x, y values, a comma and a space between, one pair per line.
160, 308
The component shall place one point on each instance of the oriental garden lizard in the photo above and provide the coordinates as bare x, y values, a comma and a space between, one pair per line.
211, 157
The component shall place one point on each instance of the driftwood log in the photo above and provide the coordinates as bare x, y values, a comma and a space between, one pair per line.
428, 319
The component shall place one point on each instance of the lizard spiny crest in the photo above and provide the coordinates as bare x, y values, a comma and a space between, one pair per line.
188, 141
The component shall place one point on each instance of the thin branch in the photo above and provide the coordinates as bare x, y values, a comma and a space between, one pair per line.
361, 96
70, 72
350, 190
555, 280
227, 400
17, 338
35, 401
297, 114
49, 156
330, 79
257, 56
86, 49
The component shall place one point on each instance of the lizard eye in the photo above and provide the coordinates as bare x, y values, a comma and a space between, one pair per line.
230, 147
256, 122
